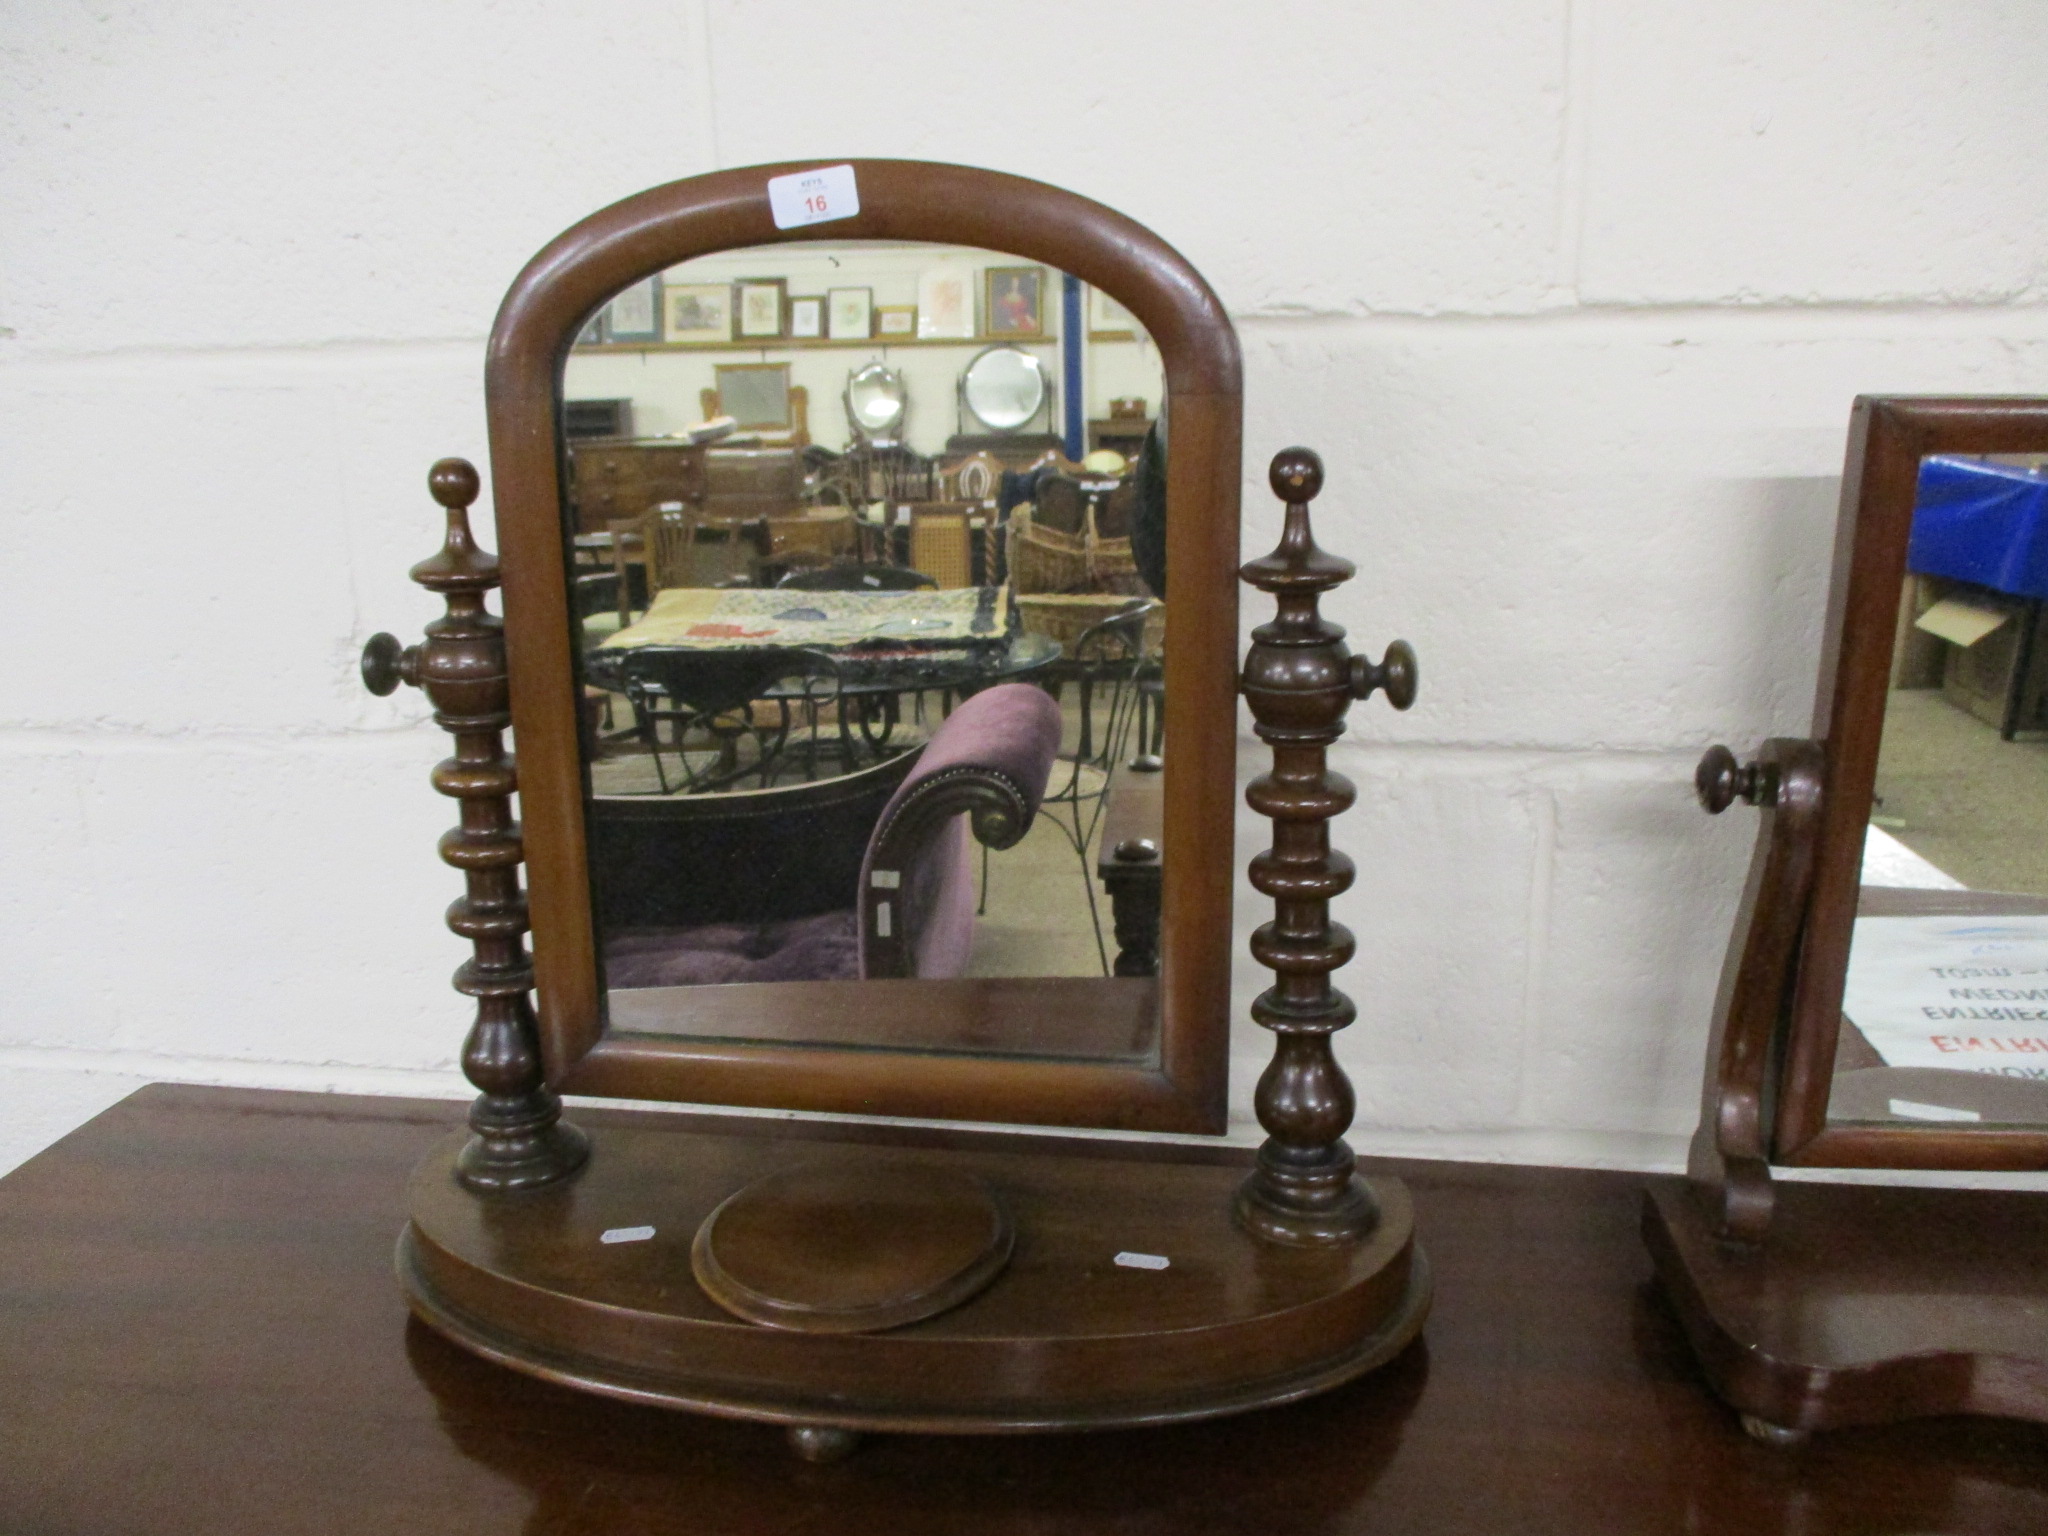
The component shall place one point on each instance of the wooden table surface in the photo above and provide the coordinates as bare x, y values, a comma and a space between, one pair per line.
200, 1331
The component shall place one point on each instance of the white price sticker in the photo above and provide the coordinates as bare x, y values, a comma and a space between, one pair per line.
1129, 1260
813, 197
626, 1235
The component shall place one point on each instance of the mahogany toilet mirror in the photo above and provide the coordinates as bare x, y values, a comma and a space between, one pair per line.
1884, 999
780, 660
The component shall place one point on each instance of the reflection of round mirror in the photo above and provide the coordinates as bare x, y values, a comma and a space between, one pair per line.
1004, 388
875, 401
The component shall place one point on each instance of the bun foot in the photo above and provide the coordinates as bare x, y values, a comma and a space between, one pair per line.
1767, 1433
820, 1443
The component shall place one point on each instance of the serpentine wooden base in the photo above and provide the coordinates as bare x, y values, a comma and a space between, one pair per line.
1865, 1304
1063, 1338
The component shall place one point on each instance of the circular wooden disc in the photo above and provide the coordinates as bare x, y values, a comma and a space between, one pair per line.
828, 1249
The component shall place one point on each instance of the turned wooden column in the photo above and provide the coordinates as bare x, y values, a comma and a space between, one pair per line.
1298, 680
520, 1141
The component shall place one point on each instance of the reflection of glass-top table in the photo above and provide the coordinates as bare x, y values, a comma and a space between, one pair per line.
702, 655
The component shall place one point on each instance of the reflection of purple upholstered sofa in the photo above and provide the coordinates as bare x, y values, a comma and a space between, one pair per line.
911, 910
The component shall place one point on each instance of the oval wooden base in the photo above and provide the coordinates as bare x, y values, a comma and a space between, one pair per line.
1064, 1338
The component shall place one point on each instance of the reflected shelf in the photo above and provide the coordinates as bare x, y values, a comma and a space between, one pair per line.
811, 344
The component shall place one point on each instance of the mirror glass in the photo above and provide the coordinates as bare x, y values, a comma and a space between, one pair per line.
1004, 388
876, 401
1945, 1014
815, 641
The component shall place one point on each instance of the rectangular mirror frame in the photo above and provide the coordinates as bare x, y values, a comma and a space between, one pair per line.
1888, 437
899, 200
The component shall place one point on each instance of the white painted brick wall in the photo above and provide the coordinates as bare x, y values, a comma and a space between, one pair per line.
1572, 295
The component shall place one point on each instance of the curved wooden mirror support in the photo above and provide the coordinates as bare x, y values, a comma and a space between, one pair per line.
841, 1278
1882, 1004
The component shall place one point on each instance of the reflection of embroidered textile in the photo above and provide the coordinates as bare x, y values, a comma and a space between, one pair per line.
709, 618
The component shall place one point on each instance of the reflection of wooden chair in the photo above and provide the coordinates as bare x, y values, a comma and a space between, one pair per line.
761, 399
788, 911
1060, 503
1116, 510
812, 538
942, 544
978, 477
686, 549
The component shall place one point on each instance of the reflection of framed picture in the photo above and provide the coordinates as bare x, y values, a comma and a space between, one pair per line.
1013, 302
1108, 320
634, 313
850, 313
807, 317
697, 312
592, 334
759, 301
945, 302
896, 322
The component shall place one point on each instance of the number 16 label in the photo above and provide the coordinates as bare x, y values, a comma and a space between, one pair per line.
813, 197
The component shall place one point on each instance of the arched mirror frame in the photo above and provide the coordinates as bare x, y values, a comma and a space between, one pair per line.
1771, 1064
899, 200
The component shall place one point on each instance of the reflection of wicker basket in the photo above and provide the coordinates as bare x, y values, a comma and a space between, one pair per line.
1044, 559
1113, 568
1064, 616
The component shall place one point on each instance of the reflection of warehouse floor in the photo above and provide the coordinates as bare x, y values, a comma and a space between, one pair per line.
1950, 790
1037, 919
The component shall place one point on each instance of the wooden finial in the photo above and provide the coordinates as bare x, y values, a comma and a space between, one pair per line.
453, 482
521, 1141
1299, 678
1296, 475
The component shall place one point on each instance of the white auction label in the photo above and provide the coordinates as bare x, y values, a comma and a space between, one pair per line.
1143, 1260
813, 197
627, 1235
1968, 992
1907, 1109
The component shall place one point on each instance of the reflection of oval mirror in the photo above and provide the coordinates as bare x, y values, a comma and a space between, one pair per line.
1004, 388
875, 402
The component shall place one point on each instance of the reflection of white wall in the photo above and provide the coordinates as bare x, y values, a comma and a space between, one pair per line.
1572, 298
663, 383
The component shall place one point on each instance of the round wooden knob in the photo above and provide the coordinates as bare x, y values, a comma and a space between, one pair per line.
1297, 474
386, 664
453, 482
1137, 850
1398, 674
1720, 780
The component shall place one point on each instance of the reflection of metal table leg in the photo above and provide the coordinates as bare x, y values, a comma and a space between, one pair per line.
2022, 664
1130, 864
877, 715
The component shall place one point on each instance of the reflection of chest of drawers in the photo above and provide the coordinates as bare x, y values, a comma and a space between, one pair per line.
621, 479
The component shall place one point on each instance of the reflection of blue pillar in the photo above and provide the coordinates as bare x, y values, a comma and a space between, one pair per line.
1072, 339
